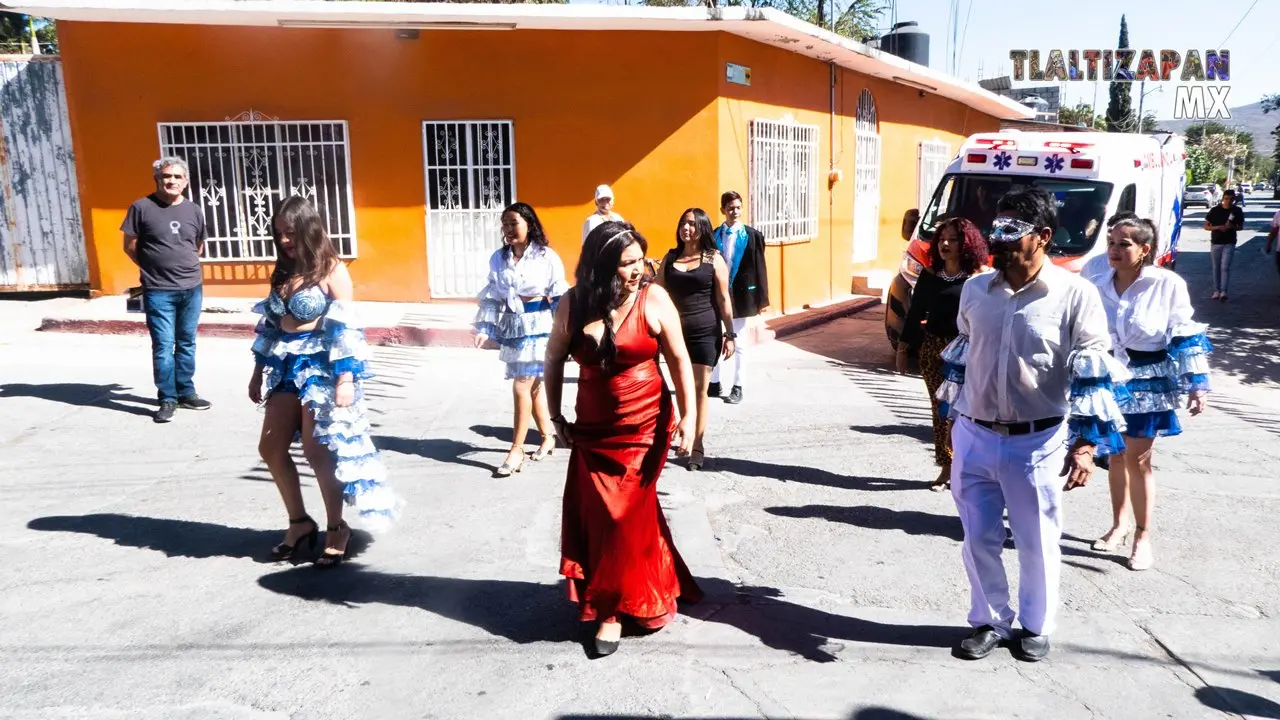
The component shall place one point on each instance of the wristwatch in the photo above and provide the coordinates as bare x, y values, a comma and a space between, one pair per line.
731, 336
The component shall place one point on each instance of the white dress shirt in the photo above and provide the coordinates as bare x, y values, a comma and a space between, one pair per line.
1022, 344
595, 220
1153, 310
539, 273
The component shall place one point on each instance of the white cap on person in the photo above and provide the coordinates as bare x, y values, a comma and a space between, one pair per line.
603, 191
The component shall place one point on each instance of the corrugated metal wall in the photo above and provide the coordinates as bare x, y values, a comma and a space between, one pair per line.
41, 235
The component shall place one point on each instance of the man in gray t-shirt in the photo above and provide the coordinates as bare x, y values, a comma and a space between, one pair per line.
164, 235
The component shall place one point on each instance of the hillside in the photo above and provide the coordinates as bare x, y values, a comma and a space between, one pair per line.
1248, 118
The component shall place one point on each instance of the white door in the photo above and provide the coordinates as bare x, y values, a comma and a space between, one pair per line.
41, 236
470, 167
866, 188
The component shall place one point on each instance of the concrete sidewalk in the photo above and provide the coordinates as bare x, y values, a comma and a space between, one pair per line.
438, 324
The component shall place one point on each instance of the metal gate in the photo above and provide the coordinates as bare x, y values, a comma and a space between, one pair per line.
866, 190
41, 235
935, 156
470, 167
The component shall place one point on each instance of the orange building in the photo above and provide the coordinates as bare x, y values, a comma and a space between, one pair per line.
413, 125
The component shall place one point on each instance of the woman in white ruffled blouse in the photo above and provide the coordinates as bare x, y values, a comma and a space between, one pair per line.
1152, 333
517, 310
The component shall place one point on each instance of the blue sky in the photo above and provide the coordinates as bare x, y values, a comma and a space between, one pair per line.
989, 29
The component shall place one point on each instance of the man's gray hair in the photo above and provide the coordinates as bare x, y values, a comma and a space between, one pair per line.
158, 166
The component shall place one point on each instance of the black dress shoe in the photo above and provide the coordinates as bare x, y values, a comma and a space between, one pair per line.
979, 644
605, 648
713, 390
194, 402
735, 395
1031, 648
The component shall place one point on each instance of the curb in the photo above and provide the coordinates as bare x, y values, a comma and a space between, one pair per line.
453, 337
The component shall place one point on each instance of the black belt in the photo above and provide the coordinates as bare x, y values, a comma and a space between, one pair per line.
1023, 428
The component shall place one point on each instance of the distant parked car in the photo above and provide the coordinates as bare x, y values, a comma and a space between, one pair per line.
1199, 195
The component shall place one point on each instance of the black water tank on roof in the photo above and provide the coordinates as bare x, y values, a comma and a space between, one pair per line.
907, 43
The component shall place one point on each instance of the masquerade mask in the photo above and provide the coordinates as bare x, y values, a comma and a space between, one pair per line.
1009, 229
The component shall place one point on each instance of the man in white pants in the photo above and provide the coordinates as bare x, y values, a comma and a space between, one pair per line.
1028, 386
743, 249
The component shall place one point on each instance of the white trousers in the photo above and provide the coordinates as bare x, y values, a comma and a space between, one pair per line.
1022, 473
737, 363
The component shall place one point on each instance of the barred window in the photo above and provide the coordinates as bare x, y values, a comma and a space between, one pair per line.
934, 158
784, 180
242, 171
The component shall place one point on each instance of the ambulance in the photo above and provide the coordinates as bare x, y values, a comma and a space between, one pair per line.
1092, 175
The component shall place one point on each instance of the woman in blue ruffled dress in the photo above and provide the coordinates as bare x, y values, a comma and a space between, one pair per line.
1152, 333
517, 310
310, 371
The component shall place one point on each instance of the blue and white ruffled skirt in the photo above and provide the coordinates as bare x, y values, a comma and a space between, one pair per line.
522, 337
307, 364
1161, 381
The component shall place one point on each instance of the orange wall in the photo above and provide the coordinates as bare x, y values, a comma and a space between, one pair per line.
588, 108
784, 84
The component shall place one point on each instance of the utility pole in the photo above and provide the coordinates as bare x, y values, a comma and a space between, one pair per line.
35, 42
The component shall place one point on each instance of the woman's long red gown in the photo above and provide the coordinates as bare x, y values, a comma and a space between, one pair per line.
616, 549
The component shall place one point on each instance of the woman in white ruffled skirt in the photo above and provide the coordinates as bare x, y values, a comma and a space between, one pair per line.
517, 309
1153, 334
310, 371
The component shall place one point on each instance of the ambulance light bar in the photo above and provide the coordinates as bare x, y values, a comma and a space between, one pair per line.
1028, 160
1073, 147
979, 158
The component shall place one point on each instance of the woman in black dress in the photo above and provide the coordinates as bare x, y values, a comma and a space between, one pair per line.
696, 276
958, 252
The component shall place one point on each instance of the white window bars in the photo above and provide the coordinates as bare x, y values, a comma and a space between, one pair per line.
471, 178
241, 171
783, 180
934, 158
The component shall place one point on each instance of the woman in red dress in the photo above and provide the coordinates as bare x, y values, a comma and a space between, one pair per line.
616, 550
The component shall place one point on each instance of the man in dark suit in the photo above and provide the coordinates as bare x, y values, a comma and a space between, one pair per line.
743, 250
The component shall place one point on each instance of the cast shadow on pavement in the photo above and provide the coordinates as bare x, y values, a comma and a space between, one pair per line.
442, 450
911, 522
1238, 702
110, 397
871, 713
505, 435
921, 432
188, 538
527, 612
808, 475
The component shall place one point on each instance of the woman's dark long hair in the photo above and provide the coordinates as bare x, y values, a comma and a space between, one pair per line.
537, 237
973, 250
597, 290
314, 256
701, 228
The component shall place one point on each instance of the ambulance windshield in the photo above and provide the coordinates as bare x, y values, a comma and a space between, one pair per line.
1082, 206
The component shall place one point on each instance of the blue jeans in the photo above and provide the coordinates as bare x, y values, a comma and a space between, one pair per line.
172, 316
1220, 264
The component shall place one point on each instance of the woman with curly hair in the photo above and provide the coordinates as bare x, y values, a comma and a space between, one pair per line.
517, 306
958, 252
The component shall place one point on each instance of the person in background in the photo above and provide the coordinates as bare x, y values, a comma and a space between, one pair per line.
164, 236
604, 211
743, 249
1152, 333
1272, 239
517, 306
616, 551
958, 252
1223, 222
1100, 264
1029, 390
697, 277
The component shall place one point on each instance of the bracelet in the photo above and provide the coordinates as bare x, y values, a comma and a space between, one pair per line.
558, 418
345, 381
731, 336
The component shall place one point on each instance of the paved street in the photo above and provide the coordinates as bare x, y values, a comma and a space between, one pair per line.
134, 585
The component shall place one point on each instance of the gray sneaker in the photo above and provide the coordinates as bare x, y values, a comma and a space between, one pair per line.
166, 411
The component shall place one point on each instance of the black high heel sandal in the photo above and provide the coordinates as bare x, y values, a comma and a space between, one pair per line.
285, 551
329, 559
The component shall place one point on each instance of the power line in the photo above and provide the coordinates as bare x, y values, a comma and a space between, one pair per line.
1233, 30
965, 33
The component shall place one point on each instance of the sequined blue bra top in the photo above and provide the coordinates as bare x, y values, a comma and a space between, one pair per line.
305, 305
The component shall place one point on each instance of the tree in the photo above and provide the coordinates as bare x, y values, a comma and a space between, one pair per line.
1220, 148
1200, 165
1196, 132
857, 20
1120, 107
15, 33
1149, 123
1081, 115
